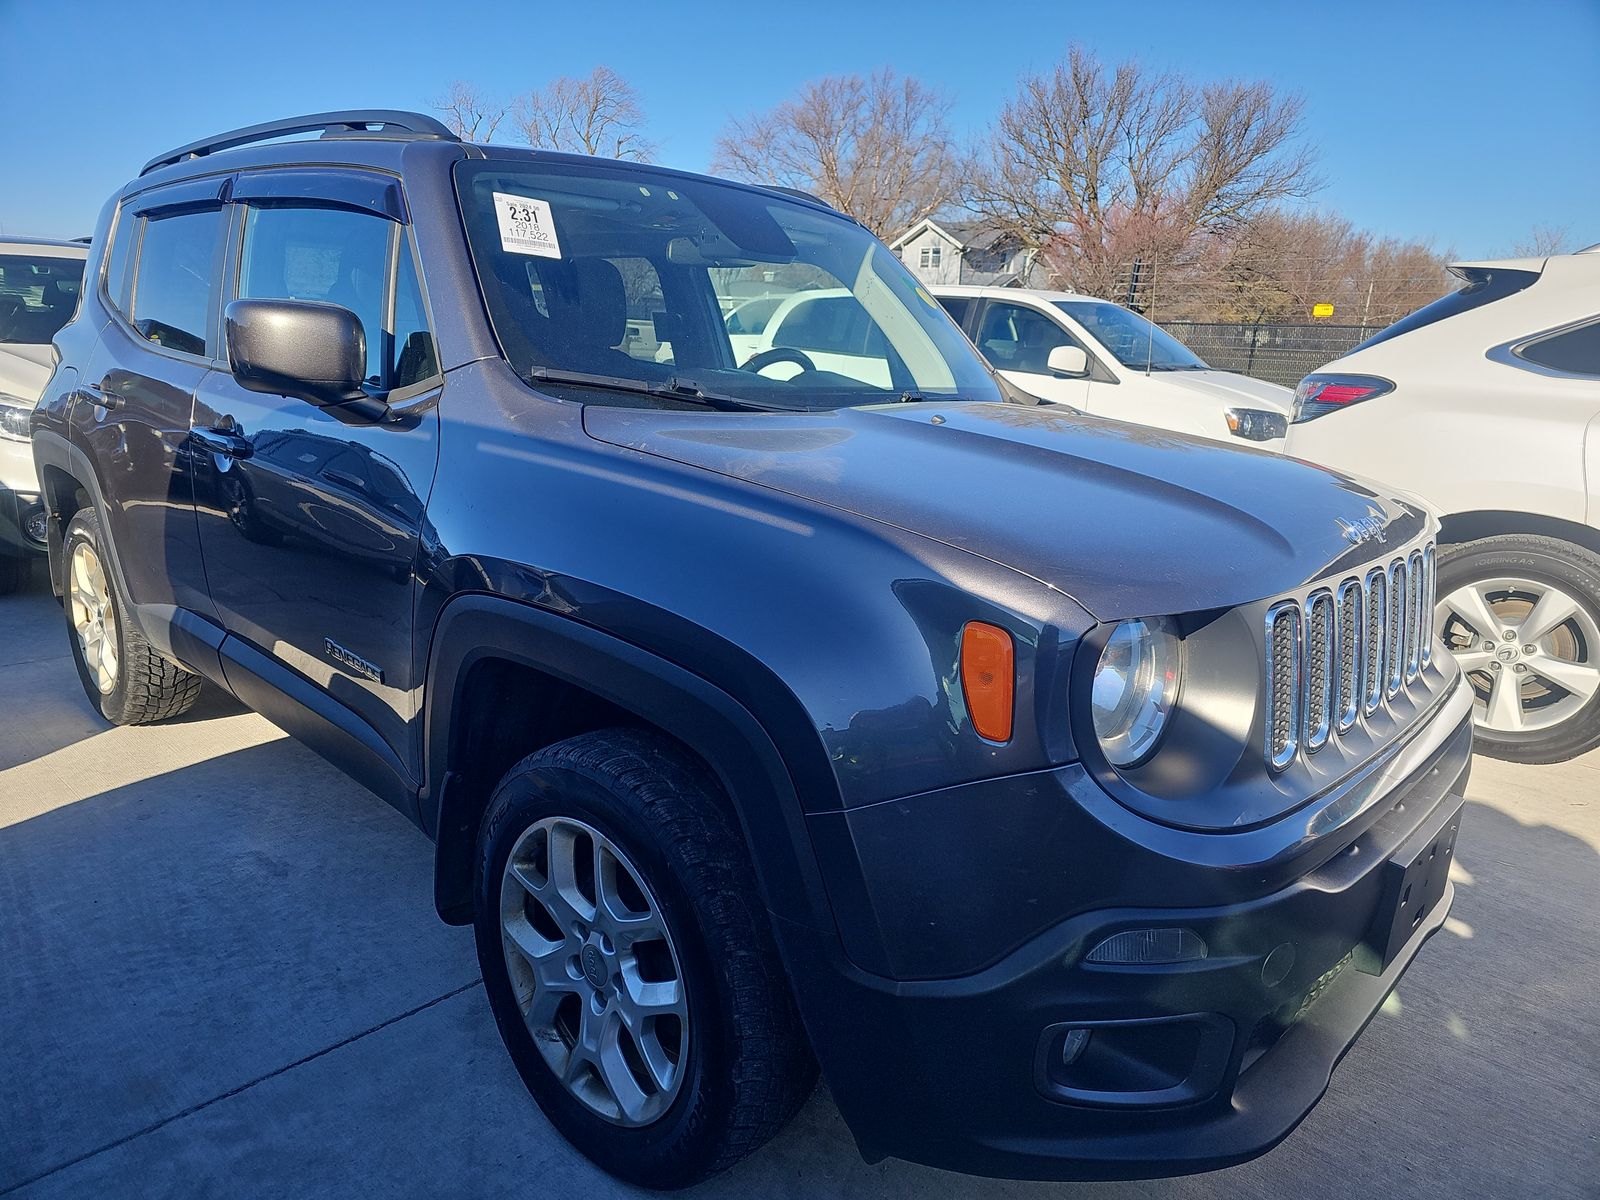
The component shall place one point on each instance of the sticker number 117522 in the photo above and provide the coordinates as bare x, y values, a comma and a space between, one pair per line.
526, 226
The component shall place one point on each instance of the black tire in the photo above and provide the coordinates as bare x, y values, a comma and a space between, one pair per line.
749, 1066
13, 574
1540, 560
148, 688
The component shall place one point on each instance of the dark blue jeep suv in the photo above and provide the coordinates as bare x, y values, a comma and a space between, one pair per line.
777, 690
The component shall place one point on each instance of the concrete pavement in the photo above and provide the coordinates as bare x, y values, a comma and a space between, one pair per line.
221, 975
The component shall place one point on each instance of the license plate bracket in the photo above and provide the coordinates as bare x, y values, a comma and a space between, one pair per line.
1414, 880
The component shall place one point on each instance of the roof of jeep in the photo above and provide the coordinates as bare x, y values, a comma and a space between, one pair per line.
385, 139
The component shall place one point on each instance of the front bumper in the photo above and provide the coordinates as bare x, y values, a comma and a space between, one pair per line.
15, 510
1211, 1062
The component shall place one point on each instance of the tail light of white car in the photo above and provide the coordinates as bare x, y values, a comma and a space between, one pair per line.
1319, 395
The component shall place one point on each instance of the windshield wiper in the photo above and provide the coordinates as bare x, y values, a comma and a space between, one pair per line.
673, 389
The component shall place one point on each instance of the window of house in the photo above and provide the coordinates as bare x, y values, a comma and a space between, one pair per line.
930, 256
175, 283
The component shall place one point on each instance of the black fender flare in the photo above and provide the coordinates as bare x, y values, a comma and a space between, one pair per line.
475, 627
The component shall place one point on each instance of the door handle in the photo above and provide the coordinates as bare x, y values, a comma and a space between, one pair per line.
103, 394
224, 441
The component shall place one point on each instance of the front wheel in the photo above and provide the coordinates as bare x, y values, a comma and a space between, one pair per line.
1521, 614
629, 963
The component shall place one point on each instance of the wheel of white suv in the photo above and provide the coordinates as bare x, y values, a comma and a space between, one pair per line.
124, 678
628, 960
1522, 617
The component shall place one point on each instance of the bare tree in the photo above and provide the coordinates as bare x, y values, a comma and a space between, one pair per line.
878, 148
1543, 241
469, 113
1097, 167
598, 115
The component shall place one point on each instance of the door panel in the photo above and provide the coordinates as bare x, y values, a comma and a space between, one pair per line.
310, 529
132, 414
310, 519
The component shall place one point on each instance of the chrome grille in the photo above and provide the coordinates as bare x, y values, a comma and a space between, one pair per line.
1394, 650
1351, 627
1377, 588
1283, 683
1321, 653
1337, 655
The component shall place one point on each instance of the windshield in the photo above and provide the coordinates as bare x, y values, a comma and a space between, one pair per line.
687, 287
37, 296
1134, 341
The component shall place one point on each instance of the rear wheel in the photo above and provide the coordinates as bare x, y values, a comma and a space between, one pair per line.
123, 676
1522, 617
628, 961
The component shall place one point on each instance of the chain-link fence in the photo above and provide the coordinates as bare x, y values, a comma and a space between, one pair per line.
1277, 353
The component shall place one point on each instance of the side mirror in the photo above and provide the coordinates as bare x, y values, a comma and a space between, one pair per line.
1068, 360
312, 351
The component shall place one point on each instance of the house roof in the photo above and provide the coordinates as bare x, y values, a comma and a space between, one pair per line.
968, 235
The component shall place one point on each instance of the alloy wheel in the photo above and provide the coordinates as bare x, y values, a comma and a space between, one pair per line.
93, 619
1530, 650
594, 971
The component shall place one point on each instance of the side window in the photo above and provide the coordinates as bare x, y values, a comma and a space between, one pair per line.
414, 358
175, 283
1015, 338
334, 255
957, 307
120, 258
1577, 351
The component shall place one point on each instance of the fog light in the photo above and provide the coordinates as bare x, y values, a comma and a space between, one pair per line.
1073, 1045
1143, 947
35, 526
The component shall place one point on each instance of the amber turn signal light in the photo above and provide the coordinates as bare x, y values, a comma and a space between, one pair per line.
988, 679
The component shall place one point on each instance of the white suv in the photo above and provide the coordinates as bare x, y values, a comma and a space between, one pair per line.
1109, 361
1487, 404
39, 284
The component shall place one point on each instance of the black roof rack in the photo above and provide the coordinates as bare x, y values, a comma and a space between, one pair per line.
378, 122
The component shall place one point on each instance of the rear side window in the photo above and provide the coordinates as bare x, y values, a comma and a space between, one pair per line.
176, 280
957, 307
1482, 286
1575, 351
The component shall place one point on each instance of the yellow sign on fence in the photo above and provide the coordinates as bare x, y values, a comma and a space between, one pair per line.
1322, 310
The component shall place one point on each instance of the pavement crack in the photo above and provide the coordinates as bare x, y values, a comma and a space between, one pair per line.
243, 1087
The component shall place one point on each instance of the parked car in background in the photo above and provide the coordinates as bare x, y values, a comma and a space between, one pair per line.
1109, 361
39, 283
1485, 403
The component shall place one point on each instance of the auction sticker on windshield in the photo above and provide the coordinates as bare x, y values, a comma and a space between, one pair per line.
526, 226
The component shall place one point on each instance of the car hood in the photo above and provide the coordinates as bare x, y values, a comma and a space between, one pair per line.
1224, 387
25, 369
1127, 520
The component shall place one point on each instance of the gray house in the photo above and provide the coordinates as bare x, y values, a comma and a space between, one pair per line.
973, 252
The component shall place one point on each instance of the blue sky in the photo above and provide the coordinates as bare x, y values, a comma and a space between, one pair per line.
1457, 121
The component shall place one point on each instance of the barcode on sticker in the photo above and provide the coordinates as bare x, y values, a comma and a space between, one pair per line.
526, 226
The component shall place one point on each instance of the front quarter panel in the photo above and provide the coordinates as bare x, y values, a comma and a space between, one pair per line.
838, 633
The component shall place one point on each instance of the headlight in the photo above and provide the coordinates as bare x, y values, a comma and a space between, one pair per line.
14, 414
1135, 688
